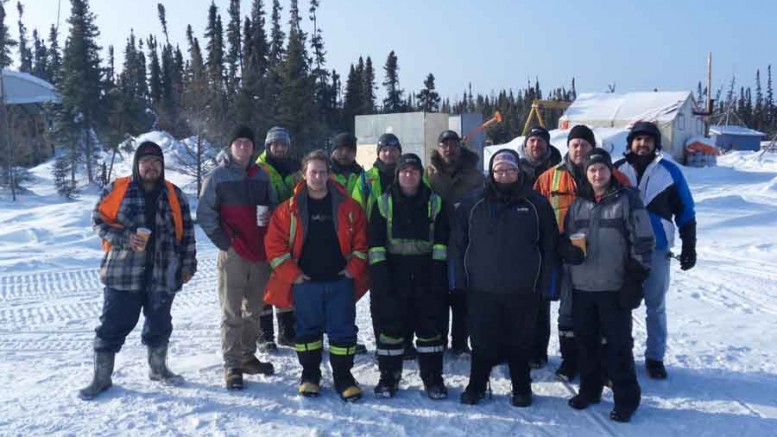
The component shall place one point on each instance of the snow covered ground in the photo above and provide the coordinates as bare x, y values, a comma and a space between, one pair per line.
722, 357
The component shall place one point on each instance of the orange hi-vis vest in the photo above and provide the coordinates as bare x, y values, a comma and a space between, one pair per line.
109, 207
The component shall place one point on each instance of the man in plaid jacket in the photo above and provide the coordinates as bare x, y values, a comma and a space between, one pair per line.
141, 274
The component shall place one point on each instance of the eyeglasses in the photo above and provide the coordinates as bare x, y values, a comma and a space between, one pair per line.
508, 172
450, 144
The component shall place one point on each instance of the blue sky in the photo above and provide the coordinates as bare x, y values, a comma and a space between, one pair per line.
496, 44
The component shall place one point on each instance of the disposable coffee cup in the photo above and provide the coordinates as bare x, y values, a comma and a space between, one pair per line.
262, 215
578, 239
144, 234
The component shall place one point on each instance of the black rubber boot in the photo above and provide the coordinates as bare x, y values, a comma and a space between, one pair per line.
286, 330
158, 371
310, 382
390, 374
344, 382
430, 365
101, 381
479, 373
567, 371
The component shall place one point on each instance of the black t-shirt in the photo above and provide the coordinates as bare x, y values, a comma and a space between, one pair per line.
321, 258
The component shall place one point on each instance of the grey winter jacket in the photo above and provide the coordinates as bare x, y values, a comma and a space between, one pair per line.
617, 228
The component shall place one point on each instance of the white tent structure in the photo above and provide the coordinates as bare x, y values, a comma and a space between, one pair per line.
674, 112
25, 89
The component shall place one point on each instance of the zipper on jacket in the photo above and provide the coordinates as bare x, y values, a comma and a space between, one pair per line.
469, 238
539, 265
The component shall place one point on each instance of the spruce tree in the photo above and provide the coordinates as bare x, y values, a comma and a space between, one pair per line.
393, 101
368, 88
234, 55
296, 109
25, 53
154, 74
769, 104
40, 59
6, 43
758, 110
428, 98
80, 87
54, 57
352, 102
196, 111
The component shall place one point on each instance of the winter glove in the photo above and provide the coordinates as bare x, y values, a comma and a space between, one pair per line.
688, 254
568, 252
632, 292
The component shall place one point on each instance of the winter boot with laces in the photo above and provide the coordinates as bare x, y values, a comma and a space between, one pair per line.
233, 379
101, 381
254, 366
158, 371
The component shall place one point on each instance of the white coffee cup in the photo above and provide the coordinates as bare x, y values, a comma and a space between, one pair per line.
262, 215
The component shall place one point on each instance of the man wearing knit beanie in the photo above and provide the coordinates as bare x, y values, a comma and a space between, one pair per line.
538, 153
668, 199
345, 170
284, 172
234, 208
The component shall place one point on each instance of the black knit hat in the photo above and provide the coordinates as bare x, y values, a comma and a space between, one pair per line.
389, 140
410, 160
538, 131
598, 156
344, 140
582, 132
644, 128
242, 131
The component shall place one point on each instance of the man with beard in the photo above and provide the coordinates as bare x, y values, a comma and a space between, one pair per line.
537, 154
284, 176
504, 254
453, 174
667, 197
345, 170
148, 237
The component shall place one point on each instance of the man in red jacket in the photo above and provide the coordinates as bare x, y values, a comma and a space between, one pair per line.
317, 246
233, 210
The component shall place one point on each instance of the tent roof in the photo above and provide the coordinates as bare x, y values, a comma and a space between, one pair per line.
22, 88
625, 108
735, 130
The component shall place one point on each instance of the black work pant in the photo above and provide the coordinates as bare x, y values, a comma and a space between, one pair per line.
539, 351
504, 325
597, 314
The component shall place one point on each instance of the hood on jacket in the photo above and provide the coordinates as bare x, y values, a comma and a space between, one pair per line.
147, 148
467, 160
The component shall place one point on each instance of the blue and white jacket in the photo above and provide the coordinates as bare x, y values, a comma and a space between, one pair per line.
665, 193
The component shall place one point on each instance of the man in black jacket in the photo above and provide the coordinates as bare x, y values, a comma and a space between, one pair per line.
504, 251
408, 240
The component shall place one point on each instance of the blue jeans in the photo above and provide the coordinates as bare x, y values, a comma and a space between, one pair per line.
121, 311
656, 286
326, 307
